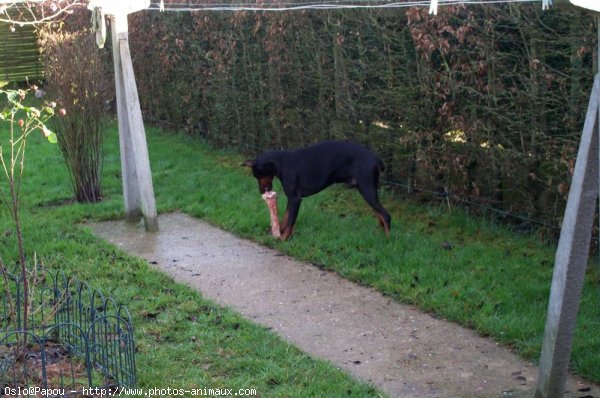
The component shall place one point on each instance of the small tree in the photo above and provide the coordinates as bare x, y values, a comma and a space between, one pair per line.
22, 121
78, 77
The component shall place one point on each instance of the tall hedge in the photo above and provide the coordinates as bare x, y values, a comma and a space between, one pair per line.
484, 103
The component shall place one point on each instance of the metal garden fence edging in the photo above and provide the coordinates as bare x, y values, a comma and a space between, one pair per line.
77, 338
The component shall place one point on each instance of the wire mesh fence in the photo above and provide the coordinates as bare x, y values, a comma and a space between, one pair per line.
76, 340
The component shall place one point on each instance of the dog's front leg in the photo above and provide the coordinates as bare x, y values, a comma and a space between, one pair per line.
283, 223
289, 219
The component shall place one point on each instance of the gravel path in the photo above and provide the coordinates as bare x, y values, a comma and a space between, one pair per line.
399, 349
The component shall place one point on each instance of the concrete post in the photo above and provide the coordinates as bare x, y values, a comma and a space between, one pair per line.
131, 191
571, 258
137, 177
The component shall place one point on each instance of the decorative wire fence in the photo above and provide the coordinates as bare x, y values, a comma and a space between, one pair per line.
77, 342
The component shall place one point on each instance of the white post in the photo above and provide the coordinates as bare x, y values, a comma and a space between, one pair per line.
571, 258
137, 178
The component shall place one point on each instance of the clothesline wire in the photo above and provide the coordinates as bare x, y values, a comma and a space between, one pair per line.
282, 5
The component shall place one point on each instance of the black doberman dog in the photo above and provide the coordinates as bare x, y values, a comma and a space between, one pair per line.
306, 171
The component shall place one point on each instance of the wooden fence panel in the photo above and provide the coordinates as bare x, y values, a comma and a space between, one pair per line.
19, 54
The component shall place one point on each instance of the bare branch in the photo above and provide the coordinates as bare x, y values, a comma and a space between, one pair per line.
33, 12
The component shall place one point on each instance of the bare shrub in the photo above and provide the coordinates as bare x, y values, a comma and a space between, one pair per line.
78, 78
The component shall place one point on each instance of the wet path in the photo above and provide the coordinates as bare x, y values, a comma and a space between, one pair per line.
396, 347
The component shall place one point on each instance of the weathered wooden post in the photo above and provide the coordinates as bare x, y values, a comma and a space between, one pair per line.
138, 192
573, 248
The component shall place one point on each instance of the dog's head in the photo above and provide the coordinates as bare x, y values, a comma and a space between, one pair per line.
264, 171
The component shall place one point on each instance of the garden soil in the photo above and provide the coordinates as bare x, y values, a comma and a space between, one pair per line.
399, 349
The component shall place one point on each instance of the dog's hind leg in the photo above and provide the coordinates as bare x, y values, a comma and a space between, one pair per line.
368, 189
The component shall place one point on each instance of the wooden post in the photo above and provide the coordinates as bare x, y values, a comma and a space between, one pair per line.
571, 258
138, 192
131, 192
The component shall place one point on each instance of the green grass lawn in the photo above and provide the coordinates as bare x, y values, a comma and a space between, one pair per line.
183, 341
456, 267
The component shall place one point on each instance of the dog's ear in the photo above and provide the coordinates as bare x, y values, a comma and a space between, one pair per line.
248, 163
